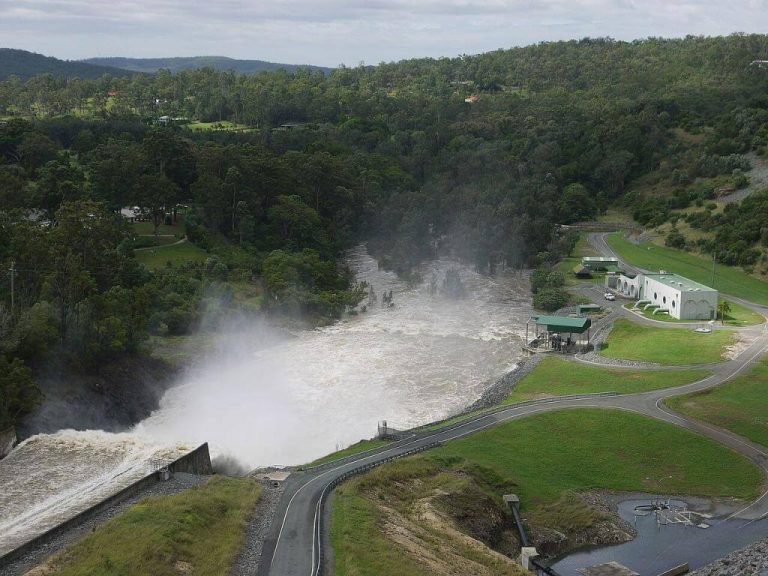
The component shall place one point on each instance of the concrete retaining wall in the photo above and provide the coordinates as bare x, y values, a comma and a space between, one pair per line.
196, 462
7, 441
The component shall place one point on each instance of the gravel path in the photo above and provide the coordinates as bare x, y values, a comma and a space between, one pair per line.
758, 179
178, 483
257, 530
749, 561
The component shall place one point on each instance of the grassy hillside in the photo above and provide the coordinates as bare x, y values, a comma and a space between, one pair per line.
221, 63
27, 64
728, 280
556, 377
195, 532
740, 405
630, 341
440, 512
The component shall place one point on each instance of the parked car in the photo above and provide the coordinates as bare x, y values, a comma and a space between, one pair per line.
609, 296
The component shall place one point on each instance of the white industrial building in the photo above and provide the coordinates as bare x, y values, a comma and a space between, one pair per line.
679, 297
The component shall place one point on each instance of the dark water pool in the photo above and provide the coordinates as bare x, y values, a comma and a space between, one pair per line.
656, 549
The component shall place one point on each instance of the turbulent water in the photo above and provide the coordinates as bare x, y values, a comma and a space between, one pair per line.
49, 478
267, 399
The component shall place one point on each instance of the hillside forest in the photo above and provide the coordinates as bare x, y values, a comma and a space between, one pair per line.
270, 177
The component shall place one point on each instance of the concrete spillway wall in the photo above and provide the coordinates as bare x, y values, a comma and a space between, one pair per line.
198, 461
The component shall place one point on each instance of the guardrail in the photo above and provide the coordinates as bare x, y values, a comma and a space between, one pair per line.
429, 429
318, 561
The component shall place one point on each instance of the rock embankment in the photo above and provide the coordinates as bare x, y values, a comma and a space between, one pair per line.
500, 389
749, 561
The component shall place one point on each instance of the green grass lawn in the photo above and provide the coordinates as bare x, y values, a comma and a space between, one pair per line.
557, 377
671, 347
544, 459
199, 531
361, 446
223, 125
158, 257
742, 316
579, 449
740, 405
147, 228
728, 280
566, 265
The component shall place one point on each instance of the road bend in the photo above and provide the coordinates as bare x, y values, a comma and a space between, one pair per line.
294, 547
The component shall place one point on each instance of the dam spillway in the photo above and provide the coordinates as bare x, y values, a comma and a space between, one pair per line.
264, 398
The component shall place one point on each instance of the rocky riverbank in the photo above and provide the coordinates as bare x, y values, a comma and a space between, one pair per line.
749, 561
500, 389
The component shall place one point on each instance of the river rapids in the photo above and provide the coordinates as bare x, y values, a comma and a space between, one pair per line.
266, 399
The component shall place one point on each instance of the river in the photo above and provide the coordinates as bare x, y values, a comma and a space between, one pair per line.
265, 399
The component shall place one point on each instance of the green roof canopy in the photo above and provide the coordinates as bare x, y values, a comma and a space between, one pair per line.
563, 324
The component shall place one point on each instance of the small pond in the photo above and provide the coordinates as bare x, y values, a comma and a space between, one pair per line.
658, 548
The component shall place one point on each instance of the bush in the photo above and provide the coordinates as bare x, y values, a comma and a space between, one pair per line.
675, 240
550, 299
543, 278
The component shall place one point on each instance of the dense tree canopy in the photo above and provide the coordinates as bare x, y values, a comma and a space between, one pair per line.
480, 157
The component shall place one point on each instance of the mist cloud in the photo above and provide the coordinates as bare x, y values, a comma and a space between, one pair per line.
329, 32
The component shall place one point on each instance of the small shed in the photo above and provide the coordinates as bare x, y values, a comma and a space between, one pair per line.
556, 332
581, 271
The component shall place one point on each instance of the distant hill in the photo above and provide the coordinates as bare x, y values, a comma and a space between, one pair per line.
26, 64
222, 63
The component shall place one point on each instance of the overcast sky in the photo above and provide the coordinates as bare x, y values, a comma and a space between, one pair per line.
330, 32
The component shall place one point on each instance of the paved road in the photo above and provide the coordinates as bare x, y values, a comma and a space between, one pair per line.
294, 548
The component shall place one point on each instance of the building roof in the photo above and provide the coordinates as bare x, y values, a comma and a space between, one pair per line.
599, 259
563, 323
679, 282
580, 269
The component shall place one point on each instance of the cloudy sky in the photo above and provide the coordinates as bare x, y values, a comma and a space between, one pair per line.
329, 32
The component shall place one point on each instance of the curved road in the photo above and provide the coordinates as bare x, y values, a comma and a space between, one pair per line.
294, 547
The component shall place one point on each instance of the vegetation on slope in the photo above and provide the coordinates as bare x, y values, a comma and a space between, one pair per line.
546, 459
740, 405
671, 347
221, 63
199, 531
392, 154
25, 65
557, 377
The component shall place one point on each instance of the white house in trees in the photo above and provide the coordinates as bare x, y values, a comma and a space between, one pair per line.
679, 297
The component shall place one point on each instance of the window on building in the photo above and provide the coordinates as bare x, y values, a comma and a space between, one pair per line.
664, 300
673, 303
655, 296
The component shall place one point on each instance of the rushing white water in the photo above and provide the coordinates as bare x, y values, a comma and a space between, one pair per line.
420, 360
51, 477
267, 399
